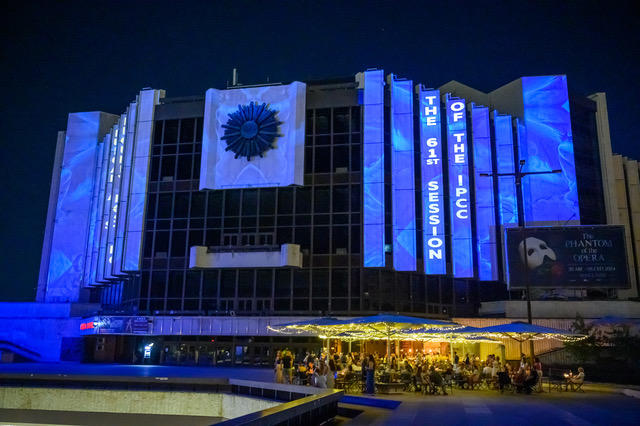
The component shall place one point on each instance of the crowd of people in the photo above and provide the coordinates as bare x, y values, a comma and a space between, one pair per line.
431, 372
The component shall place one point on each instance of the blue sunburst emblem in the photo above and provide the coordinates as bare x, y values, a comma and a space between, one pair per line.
251, 130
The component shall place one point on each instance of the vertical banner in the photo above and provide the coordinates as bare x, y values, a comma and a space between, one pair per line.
402, 175
459, 195
373, 176
433, 234
550, 198
505, 163
485, 211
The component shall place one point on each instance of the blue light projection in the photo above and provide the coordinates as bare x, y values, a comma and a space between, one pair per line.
505, 163
87, 278
433, 237
139, 179
373, 176
459, 196
485, 211
242, 160
124, 188
95, 252
548, 144
115, 198
103, 254
402, 175
73, 210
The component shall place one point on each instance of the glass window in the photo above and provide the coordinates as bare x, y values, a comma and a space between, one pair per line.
300, 283
249, 202
178, 243
340, 239
355, 239
199, 130
355, 198
303, 200
355, 158
267, 201
214, 208
162, 242
151, 206
228, 283
192, 287
181, 204
309, 122
187, 127
245, 283
321, 202
197, 204
157, 133
184, 166
355, 119
308, 160
158, 283
339, 283
210, 284
155, 169
283, 283
320, 283
323, 121
170, 131
341, 120
175, 284
264, 283
321, 240
322, 159
232, 202
340, 158
341, 198
195, 238
284, 235
303, 237
285, 200
168, 170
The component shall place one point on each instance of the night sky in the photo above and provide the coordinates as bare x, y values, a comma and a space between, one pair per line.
61, 57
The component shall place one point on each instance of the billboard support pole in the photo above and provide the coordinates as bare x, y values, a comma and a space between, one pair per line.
518, 175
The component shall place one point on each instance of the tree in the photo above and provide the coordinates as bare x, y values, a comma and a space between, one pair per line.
589, 349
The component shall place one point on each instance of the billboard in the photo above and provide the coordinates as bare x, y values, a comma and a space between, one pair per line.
459, 195
253, 137
434, 241
570, 257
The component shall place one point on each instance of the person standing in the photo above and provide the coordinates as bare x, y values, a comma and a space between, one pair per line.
278, 368
331, 374
456, 358
286, 366
371, 369
537, 365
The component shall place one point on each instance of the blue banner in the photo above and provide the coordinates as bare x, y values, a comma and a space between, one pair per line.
485, 210
459, 195
433, 236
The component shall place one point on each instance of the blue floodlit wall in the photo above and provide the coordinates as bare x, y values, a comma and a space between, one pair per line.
124, 189
434, 240
548, 145
281, 165
95, 252
485, 211
115, 198
87, 277
106, 207
373, 176
402, 175
73, 211
459, 195
505, 163
139, 178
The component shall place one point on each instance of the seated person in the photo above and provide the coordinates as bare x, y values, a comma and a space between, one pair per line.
486, 371
531, 378
474, 377
576, 380
503, 378
519, 378
436, 380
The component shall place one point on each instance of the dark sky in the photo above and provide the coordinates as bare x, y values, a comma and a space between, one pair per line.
60, 57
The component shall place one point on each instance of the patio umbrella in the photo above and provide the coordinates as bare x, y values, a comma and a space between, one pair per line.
522, 332
318, 326
388, 326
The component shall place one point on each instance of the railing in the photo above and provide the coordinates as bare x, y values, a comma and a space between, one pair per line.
305, 406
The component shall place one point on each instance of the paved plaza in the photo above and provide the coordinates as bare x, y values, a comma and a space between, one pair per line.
599, 405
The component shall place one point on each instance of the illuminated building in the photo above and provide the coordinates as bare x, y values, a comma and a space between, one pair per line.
345, 197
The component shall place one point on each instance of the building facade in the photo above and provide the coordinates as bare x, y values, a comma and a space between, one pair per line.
342, 197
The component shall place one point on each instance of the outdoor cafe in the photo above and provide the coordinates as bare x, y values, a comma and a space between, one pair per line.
394, 353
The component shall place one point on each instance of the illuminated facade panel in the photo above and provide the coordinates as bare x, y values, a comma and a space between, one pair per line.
137, 202
124, 188
402, 175
238, 153
97, 182
485, 210
73, 211
95, 252
103, 254
548, 145
505, 163
115, 198
373, 169
433, 238
459, 195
